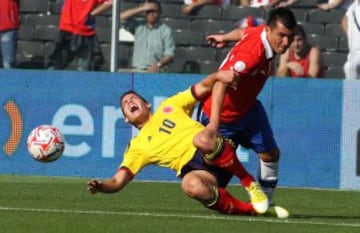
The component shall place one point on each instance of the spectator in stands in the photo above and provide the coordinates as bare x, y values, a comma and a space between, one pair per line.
154, 45
77, 35
335, 4
9, 25
301, 59
267, 4
351, 27
191, 6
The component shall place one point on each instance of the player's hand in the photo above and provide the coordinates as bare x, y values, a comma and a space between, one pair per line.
94, 186
216, 40
153, 68
148, 6
187, 9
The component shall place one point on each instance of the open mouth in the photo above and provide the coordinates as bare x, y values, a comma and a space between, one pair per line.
133, 108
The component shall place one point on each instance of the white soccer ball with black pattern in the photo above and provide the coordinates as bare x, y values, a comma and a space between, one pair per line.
46, 143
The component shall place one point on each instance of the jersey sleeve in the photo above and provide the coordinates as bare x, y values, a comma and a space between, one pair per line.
134, 160
184, 100
245, 57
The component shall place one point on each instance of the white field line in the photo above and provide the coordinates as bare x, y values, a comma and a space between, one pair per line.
189, 216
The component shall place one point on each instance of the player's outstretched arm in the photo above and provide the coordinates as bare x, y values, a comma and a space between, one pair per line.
112, 185
205, 86
221, 40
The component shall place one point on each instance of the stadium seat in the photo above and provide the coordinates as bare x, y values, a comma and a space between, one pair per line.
55, 7
104, 35
306, 4
237, 13
343, 44
335, 71
41, 19
195, 53
320, 16
188, 37
125, 5
313, 28
45, 32
324, 42
205, 12
177, 23
334, 58
170, 10
300, 14
26, 32
30, 54
184, 66
222, 53
210, 26
334, 29
102, 21
38, 6
208, 67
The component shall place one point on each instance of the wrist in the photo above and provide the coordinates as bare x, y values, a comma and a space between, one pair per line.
159, 65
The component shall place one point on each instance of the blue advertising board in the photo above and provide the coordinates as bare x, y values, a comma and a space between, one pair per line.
306, 116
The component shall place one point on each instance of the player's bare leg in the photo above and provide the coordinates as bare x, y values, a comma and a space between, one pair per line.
220, 152
202, 186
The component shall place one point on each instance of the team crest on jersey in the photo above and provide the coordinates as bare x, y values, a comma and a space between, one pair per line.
239, 66
167, 109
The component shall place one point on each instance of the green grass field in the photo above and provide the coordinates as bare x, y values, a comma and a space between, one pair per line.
47, 204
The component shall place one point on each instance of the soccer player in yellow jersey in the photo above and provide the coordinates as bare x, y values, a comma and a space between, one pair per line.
166, 139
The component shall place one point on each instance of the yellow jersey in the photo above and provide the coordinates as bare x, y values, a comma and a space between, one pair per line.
166, 139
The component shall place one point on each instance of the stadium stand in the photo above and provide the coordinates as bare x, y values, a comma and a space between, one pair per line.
39, 19
205, 12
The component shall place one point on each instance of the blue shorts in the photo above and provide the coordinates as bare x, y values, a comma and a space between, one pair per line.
197, 163
252, 131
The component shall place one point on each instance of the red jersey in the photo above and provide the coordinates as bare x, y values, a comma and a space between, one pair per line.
251, 59
304, 62
9, 15
75, 16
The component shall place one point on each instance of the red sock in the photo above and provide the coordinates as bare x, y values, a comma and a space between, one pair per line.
230, 205
228, 161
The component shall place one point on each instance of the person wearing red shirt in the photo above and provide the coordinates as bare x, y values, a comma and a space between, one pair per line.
9, 25
77, 35
236, 113
301, 59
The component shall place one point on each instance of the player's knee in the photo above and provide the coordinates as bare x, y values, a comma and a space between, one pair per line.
203, 143
271, 156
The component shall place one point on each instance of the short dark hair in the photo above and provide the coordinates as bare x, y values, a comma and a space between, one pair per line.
299, 31
284, 15
131, 92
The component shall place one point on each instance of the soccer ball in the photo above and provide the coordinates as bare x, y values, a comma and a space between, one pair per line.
45, 143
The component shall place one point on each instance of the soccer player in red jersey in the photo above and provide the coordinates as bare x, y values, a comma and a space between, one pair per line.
77, 35
236, 113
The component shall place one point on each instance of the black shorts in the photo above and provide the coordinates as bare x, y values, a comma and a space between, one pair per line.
223, 177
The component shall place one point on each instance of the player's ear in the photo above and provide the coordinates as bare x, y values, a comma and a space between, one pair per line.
126, 119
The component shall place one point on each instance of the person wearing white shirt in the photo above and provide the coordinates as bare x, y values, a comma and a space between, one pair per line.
351, 27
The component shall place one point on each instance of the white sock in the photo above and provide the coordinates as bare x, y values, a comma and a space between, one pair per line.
268, 177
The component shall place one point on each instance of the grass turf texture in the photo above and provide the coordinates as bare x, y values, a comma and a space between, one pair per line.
48, 204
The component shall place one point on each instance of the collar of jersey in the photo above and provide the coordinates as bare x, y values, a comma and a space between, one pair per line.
268, 50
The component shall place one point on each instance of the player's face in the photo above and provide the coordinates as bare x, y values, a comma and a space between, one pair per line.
279, 37
136, 111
